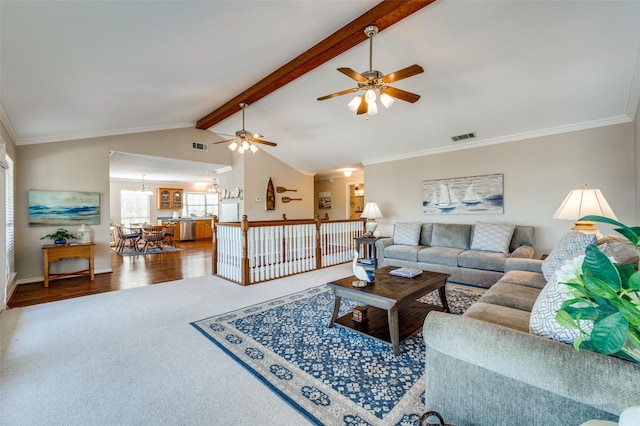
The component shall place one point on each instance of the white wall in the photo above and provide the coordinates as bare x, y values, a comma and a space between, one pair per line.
538, 174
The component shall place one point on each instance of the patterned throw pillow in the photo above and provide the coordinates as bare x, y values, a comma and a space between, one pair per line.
570, 243
406, 234
543, 314
492, 237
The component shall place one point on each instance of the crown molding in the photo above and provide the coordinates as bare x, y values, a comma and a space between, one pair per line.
7, 125
619, 119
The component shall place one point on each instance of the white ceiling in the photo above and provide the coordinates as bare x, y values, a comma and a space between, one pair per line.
505, 70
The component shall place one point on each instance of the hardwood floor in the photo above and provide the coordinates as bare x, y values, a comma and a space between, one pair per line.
128, 272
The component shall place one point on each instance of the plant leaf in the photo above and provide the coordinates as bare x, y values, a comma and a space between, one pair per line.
597, 288
598, 264
610, 334
565, 319
634, 281
633, 234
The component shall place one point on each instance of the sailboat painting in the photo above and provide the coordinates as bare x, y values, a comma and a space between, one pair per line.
464, 195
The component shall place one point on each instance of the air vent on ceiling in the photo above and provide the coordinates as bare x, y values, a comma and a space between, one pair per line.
200, 146
463, 137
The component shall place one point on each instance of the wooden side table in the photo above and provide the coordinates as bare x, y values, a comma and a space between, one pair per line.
369, 254
55, 252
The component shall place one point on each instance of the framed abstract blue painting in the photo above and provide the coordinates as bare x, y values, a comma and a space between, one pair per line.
55, 208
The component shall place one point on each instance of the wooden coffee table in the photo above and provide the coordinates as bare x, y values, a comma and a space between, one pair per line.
394, 313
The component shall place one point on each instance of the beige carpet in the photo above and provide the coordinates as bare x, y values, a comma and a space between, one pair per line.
131, 357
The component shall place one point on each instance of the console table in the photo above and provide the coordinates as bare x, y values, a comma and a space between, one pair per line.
55, 252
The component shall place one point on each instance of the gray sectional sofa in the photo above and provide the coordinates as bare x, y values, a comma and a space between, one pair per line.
470, 253
486, 368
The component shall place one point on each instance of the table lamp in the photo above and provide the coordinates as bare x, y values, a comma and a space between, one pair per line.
583, 202
370, 212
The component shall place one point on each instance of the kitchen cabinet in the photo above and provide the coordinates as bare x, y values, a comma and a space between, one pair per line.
203, 229
170, 198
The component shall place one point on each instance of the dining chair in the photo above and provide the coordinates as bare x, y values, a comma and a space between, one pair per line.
169, 233
152, 236
125, 236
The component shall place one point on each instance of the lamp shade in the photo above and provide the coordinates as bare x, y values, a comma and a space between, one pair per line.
582, 202
371, 211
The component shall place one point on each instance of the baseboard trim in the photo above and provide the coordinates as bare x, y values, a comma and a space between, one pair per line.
39, 279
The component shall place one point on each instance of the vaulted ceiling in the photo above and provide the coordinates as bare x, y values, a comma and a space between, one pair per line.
504, 70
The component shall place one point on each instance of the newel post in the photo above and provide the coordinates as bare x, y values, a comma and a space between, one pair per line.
244, 263
318, 249
214, 247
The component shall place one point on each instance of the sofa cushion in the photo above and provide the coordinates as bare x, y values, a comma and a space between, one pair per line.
511, 295
486, 260
409, 253
522, 236
425, 234
500, 315
524, 278
621, 249
570, 243
407, 234
492, 237
543, 315
451, 235
441, 255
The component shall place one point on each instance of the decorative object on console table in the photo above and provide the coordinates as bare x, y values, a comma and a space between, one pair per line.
582, 202
60, 236
371, 213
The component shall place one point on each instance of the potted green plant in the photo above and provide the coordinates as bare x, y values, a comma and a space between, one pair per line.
59, 237
605, 300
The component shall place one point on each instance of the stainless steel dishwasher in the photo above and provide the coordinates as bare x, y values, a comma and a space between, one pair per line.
187, 230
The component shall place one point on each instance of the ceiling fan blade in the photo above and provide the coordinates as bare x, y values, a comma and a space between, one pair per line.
403, 73
363, 107
226, 140
333, 95
401, 94
264, 142
352, 74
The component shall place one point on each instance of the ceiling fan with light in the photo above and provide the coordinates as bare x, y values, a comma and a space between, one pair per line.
245, 140
375, 84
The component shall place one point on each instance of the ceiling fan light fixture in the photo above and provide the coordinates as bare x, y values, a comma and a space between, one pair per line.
233, 145
386, 100
355, 103
240, 150
253, 148
372, 108
245, 145
370, 96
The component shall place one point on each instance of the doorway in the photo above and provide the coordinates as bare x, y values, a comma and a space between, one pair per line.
356, 200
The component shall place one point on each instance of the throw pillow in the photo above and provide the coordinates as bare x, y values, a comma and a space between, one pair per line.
543, 314
406, 234
621, 249
570, 243
492, 237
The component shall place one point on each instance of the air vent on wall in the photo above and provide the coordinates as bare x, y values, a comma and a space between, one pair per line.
463, 137
200, 146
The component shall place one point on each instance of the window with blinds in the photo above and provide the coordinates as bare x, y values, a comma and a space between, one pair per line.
10, 228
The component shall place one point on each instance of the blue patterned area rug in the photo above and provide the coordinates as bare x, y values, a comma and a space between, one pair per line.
331, 375
153, 250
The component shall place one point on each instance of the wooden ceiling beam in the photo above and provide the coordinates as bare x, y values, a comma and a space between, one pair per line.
383, 15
